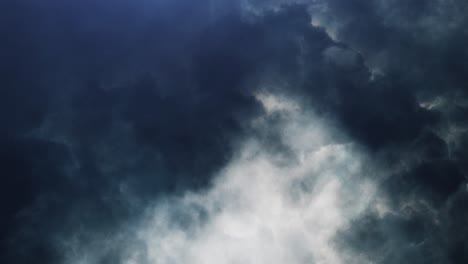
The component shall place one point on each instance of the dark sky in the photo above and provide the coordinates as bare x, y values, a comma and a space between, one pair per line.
233, 131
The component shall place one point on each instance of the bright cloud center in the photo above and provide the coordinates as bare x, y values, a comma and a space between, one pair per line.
260, 210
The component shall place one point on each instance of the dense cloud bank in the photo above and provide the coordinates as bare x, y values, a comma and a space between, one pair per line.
233, 131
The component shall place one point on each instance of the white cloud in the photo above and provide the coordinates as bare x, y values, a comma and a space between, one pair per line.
261, 211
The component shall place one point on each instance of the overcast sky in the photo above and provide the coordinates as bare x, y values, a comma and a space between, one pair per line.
234, 131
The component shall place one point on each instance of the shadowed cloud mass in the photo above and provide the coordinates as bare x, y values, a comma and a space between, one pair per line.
308, 131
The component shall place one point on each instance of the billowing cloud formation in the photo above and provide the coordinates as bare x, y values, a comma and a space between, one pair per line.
262, 207
140, 124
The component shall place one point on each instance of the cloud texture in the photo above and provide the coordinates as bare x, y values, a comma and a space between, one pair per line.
261, 207
248, 131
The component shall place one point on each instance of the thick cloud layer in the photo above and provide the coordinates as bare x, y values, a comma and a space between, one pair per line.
262, 207
306, 131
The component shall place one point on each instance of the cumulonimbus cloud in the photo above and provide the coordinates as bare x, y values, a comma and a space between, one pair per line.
114, 110
262, 207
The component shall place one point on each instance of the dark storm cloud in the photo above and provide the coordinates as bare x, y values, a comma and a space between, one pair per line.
417, 49
402, 95
98, 98
115, 105
106, 106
